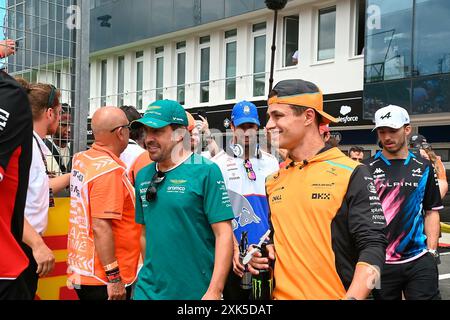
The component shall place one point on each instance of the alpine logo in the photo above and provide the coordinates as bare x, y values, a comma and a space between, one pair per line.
321, 196
386, 116
417, 172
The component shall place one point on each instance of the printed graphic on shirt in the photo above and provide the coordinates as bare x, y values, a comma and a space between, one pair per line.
406, 188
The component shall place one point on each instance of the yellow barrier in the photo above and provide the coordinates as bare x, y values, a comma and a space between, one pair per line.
445, 228
53, 287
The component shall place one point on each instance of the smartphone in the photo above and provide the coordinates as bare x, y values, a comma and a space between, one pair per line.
17, 45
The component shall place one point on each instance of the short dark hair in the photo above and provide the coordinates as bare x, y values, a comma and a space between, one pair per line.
132, 115
355, 149
65, 108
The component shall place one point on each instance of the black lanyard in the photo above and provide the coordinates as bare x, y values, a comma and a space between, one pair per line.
51, 198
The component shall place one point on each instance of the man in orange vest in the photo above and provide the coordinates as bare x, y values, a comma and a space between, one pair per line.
103, 242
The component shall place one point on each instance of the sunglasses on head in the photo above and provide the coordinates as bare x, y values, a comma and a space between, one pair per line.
249, 168
51, 96
158, 177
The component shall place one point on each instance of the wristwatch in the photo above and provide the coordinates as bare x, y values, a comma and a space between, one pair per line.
434, 253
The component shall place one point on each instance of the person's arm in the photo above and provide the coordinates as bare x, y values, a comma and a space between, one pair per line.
442, 178
105, 248
42, 254
238, 267
213, 148
222, 263
366, 225
106, 199
432, 228
364, 279
143, 242
432, 202
217, 206
59, 183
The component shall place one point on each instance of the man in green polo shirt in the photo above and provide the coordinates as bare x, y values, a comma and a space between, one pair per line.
182, 200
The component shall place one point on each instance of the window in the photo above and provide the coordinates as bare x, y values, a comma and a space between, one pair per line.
431, 95
181, 71
204, 68
139, 78
360, 30
290, 41
379, 95
230, 64
104, 74
159, 58
431, 37
389, 40
58, 79
120, 79
327, 33
259, 59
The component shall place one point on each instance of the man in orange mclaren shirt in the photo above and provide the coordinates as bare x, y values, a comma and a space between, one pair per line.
104, 240
326, 217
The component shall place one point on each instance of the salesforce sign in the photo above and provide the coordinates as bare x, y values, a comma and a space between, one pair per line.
347, 108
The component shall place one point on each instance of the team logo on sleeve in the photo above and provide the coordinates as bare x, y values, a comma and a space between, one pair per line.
371, 187
4, 116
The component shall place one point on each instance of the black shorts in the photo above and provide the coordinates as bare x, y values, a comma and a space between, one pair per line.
14, 289
417, 280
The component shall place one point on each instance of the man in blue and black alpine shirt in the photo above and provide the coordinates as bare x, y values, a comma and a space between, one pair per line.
407, 188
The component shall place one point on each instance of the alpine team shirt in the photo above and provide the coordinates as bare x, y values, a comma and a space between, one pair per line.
407, 188
16, 135
248, 197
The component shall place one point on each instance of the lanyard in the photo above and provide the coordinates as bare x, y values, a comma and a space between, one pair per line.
51, 198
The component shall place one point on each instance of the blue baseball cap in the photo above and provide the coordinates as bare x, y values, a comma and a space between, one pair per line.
244, 112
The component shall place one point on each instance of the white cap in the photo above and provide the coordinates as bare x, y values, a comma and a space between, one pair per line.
391, 116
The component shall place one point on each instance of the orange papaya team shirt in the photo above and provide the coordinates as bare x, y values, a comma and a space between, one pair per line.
110, 199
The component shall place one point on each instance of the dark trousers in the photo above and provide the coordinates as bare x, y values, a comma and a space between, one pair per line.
97, 292
14, 289
418, 280
233, 290
29, 275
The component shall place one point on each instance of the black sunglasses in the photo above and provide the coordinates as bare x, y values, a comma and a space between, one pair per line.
158, 177
124, 126
51, 96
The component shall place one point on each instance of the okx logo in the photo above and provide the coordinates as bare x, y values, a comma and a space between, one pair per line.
321, 196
